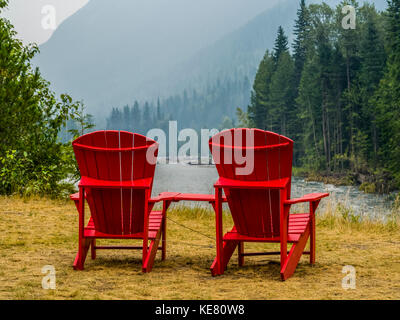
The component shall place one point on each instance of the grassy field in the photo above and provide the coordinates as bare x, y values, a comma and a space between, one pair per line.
39, 232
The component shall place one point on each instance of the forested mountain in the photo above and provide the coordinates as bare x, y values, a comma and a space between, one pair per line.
336, 95
112, 52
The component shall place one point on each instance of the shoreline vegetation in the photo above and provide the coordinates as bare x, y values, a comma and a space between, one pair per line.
370, 183
379, 183
35, 232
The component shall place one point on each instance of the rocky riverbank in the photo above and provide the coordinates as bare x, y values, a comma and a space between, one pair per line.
380, 182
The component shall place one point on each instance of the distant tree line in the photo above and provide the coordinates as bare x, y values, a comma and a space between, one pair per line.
337, 95
212, 107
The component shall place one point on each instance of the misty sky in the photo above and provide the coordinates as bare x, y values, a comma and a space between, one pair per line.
26, 16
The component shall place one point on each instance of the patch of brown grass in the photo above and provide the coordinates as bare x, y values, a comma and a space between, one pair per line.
38, 232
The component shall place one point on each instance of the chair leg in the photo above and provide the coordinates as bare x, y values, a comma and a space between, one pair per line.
93, 249
313, 208
148, 263
164, 240
312, 241
293, 258
240, 254
81, 255
229, 248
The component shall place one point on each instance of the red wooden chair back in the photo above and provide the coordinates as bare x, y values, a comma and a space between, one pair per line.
116, 156
255, 212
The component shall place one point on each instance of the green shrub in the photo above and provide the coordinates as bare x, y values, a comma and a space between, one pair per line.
19, 174
32, 158
368, 187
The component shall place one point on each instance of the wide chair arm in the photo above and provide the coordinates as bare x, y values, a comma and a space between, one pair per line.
198, 197
165, 196
244, 184
312, 197
75, 198
87, 182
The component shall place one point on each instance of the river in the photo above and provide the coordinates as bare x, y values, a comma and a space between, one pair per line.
200, 179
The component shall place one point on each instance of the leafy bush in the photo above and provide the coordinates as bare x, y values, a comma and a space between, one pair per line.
19, 174
32, 158
368, 187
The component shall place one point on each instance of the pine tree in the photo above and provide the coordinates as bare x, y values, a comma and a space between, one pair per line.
281, 44
136, 118
115, 120
301, 31
372, 52
159, 114
127, 125
281, 100
258, 110
301, 45
147, 121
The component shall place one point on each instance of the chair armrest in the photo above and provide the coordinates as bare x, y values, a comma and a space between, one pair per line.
307, 198
108, 184
161, 197
197, 197
242, 184
74, 197
164, 196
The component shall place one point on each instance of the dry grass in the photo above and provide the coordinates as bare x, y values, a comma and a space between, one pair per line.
38, 232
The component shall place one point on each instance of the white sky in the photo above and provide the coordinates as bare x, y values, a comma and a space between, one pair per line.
27, 17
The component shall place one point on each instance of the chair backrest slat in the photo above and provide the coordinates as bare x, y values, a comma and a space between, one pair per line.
255, 212
115, 156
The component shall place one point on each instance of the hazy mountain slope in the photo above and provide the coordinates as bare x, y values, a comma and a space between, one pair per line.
106, 51
239, 52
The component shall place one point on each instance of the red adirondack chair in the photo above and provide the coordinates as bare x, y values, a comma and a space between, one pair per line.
117, 170
260, 201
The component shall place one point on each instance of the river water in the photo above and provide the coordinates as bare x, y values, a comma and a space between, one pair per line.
200, 179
